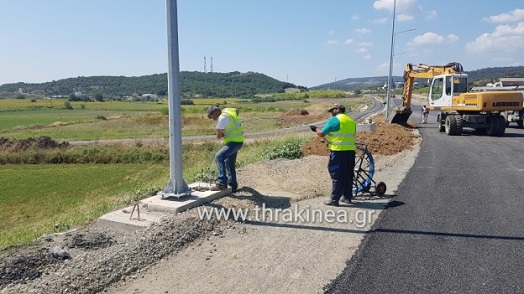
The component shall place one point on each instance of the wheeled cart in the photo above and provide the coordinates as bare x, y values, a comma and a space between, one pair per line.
363, 173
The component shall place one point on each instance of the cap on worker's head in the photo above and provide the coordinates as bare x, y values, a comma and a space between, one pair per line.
339, 106
211, 110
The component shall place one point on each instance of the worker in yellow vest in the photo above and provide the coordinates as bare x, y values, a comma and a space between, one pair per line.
229, 128
340, 131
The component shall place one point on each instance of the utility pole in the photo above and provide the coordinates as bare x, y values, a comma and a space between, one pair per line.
176, 187
388, 94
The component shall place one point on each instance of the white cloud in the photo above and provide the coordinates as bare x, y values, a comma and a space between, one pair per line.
430, 14
382, 68
404, 17
452, 38
513, 16
365, 44
406, 10
427, 38
331, 33
380, 20
355, 17
403, 8
362, 30
367, 56
361, 50
402, 5
348, 41
505, 39
332, 42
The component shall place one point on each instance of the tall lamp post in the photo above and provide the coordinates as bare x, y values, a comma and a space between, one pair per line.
392, 54
388, 94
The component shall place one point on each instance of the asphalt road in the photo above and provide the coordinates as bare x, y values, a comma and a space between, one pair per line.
456, 224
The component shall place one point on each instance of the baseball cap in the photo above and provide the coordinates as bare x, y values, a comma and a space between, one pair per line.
212, 109
336, 105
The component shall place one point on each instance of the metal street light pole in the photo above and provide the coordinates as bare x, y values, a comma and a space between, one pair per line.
176, 187
388, 98
391, 68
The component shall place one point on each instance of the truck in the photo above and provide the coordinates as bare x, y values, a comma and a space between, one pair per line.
507, 84
457, 107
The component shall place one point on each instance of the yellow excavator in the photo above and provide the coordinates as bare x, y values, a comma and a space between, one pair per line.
458, 108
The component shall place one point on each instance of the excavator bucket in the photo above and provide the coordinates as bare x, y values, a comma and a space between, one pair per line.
400, 117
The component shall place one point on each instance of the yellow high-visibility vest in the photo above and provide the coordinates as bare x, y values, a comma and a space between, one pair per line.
233, 132
344, 138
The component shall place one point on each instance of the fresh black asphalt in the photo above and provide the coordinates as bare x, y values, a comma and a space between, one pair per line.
456, 224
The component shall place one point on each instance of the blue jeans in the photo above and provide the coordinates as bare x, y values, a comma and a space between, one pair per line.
226, 159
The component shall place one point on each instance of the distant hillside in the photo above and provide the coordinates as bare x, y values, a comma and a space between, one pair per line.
479, 76
192, 84
199, 84
351, 84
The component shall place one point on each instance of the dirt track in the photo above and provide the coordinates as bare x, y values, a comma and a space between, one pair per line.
275, 256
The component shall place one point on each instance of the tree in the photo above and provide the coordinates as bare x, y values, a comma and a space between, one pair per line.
99, 97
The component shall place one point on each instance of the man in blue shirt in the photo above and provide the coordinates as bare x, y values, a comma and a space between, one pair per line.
340, 131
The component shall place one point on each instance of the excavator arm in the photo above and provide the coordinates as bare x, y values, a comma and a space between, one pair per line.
421, 71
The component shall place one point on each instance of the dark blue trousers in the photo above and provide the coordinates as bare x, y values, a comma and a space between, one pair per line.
340, 167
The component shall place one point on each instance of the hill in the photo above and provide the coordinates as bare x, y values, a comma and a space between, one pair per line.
200, 84
476, 77
192, 84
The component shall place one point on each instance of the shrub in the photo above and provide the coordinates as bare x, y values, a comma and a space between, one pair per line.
289, 149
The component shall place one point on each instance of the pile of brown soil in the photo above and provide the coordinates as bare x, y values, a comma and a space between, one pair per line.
299, 116
388, 139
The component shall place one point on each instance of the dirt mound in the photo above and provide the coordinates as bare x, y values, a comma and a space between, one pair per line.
388, 139
30, 143
296, 112
298, 116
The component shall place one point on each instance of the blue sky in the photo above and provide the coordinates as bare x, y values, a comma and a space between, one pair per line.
305, 42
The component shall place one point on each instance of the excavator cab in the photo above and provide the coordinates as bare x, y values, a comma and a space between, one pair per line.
444, 87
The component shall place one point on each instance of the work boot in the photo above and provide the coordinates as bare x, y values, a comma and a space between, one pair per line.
217, 187
331, 203
346, 200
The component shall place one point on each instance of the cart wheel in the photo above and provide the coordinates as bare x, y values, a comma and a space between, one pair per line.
380, 189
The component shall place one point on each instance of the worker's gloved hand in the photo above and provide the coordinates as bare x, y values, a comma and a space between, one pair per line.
313, 128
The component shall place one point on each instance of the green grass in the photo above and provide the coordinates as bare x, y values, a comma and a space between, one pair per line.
35, 198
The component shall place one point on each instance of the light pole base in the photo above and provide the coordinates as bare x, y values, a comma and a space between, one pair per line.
171, 190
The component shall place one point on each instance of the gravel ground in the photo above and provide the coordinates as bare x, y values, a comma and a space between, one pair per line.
92, 259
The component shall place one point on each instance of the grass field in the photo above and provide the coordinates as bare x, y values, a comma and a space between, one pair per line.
44, 198
20, 118
35, 198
